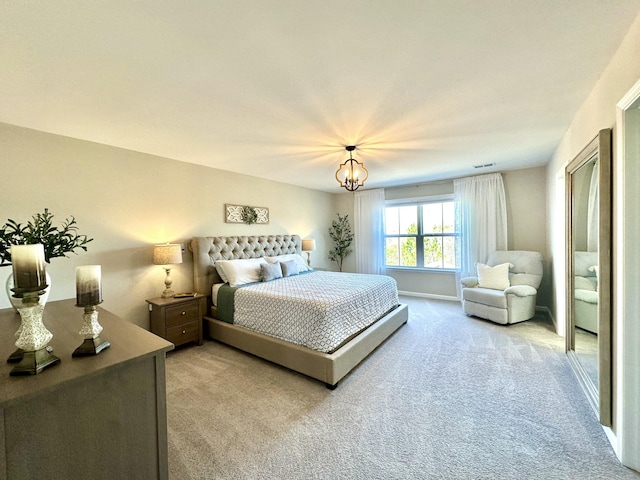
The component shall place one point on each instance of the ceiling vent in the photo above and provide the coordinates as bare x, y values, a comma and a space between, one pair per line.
484, 165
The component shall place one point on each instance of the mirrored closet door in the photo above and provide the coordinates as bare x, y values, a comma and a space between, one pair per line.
588, 341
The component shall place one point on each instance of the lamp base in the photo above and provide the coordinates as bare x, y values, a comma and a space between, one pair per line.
33, 363
91, 346
16, 356
168, 292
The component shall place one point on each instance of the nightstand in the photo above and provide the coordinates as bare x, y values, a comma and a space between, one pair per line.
178, 320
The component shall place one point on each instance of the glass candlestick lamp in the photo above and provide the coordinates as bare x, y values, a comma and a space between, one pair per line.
30, 281
88, 295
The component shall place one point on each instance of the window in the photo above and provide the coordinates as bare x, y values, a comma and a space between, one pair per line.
421, 235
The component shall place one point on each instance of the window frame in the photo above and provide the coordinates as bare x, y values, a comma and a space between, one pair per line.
420, 236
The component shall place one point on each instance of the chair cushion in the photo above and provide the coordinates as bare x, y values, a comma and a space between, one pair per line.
485, 296
527, 266
587, 296
496, 278
584, 283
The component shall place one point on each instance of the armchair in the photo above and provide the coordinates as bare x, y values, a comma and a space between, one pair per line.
586, 290
517, 302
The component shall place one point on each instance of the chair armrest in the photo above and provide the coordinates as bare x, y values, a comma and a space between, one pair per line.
521, 291
469, 282
587, 296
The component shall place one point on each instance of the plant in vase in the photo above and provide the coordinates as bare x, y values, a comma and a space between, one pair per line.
57, 241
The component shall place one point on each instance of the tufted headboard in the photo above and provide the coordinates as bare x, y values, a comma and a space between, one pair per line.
206, 250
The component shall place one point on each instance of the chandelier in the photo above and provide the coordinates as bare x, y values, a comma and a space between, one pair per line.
351, 174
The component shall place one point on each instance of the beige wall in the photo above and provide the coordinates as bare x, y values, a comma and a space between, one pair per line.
526, 192
128, 201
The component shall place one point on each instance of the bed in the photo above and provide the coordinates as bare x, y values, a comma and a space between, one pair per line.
326, 358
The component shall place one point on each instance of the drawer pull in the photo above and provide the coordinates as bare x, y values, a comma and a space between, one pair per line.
183, 313
184, 331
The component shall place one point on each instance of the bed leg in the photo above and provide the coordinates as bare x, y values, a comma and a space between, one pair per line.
331, 387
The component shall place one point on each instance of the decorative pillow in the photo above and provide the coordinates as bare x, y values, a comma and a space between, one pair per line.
495, 278
239, 272
595, 269
301, 262
289, 268
270, 271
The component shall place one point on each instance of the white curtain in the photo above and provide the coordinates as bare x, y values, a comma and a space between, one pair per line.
481, 219
369, 231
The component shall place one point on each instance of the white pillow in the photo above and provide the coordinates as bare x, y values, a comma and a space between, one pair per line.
301, 262
220, 269
239, 272
214, 293
495, 278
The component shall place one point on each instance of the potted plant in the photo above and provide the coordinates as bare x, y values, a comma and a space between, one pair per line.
340, 233
57, 241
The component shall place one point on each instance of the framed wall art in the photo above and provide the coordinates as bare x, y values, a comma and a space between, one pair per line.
245, 214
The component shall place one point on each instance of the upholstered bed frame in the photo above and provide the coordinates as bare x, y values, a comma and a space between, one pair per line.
328, 368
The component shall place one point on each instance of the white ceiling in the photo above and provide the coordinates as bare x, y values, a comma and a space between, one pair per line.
276, 89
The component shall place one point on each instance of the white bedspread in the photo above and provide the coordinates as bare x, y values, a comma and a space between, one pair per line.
318, 310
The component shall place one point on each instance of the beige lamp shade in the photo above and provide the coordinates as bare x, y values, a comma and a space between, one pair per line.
308, 245
167, 254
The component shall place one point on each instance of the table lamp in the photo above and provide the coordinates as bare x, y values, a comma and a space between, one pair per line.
308, 245
165, 255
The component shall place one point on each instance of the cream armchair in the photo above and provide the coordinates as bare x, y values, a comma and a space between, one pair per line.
516, 302
586, 290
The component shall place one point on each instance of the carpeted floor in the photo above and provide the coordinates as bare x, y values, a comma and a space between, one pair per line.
446, 397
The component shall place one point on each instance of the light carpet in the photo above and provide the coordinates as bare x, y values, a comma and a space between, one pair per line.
446, 397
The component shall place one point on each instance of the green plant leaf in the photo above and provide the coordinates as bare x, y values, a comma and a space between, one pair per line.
57, 241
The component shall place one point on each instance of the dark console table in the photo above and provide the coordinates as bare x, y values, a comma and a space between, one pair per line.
97, 417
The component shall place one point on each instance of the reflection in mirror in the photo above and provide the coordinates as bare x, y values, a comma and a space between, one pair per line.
588, 180
585, 266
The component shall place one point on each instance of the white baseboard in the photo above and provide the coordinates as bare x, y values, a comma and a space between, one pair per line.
539, 308
548, 313
429, 295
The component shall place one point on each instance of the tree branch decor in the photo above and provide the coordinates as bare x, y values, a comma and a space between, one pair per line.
340, 233
57, 241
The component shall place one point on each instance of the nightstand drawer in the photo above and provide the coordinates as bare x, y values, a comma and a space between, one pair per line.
184, 333
178, 320
181, 313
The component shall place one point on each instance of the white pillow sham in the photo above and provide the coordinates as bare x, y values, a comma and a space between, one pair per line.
494, 278
241, 271
301, 262
214, 293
